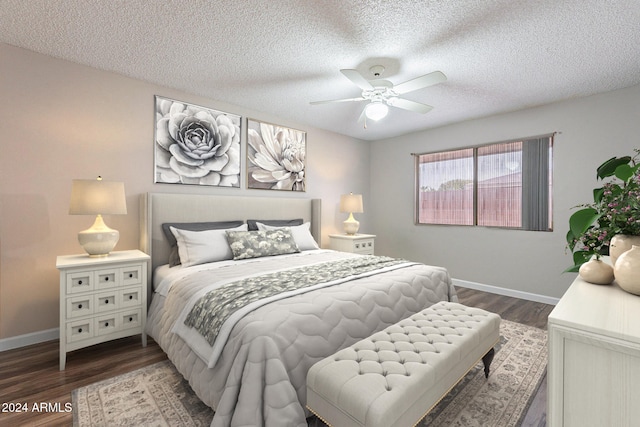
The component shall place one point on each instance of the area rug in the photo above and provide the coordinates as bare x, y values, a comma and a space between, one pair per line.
157, 395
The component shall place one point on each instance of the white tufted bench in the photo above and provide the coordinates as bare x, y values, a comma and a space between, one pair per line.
395, 377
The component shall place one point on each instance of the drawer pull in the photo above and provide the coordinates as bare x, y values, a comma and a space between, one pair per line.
130, 297
106, 279
106, 301
79, 306
80, 330
106, 324
130, 319
79, 282
130, 275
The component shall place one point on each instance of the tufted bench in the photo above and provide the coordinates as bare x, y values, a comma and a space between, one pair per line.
395, 377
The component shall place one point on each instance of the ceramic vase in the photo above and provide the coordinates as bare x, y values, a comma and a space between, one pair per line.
597, 272
620, 243
627, 270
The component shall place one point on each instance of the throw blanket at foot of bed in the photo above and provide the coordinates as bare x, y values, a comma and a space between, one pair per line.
394, 377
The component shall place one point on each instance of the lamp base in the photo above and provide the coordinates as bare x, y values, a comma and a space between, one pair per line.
351, 225
98, 240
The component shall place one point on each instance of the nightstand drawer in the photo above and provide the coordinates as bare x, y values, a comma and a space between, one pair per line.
131, 297
131, 319
107, 279
81, 281
364, 246
106, 324
79, 330
132, 275
106, 301
79, 306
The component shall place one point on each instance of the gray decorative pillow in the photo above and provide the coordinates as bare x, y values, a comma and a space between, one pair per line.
253, 223
254, 244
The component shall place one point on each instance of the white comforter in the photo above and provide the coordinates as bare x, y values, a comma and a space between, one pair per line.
260, 376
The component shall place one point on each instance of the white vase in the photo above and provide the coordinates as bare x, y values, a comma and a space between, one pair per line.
597, 272
620, 243
627, 270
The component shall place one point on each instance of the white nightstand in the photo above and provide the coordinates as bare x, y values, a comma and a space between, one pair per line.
356, 243
101, 299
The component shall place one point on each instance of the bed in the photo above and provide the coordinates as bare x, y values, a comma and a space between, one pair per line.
252, 370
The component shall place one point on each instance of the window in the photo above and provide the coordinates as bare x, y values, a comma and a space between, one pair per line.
506, 184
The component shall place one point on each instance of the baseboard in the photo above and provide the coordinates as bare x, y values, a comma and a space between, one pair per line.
29, 339
505, 291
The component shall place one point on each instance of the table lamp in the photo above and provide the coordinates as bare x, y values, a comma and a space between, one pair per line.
351, 203
97, 197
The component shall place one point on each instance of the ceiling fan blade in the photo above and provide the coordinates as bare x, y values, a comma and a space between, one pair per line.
420, 82
406, 104
330, 101
357, 79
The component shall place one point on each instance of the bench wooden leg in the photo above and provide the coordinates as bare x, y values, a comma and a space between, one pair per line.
486, 360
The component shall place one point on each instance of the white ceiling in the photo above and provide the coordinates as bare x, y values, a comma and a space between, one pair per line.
276, 56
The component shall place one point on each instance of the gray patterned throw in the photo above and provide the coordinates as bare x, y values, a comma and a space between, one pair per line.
211, 311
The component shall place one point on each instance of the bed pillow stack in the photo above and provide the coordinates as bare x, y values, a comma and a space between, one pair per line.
199, 247
202, 242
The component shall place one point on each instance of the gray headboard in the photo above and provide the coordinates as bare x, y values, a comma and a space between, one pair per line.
158, 208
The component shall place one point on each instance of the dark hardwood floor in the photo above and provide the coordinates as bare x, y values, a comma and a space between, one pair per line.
29, 376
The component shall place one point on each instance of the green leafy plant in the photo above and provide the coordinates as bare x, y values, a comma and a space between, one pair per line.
615, 210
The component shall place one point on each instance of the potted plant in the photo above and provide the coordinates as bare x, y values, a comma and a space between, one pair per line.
615, 211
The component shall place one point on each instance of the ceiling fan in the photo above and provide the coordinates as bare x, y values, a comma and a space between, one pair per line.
382, 93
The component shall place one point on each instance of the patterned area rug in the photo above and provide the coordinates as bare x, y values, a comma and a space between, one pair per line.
158, 395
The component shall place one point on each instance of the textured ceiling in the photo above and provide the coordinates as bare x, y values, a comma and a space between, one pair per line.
276, 56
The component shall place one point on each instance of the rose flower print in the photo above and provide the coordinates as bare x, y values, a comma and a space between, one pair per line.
195, 145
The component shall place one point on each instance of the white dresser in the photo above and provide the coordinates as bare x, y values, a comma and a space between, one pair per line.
101, 299
357, 243
594, 357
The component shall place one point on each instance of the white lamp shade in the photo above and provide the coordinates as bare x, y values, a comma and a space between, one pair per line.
376, 110
351, 203
97, 197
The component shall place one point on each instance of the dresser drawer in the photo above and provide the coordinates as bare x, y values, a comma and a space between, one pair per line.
106, 301
364, 246
131, 319
106, 324
131, 297
79, 306
108, 278
79, 330
81, 281
132, 275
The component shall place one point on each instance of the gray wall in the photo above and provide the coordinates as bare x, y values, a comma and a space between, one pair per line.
593, 129
62, 121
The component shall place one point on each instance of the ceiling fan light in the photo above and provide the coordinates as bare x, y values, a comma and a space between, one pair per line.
376, 111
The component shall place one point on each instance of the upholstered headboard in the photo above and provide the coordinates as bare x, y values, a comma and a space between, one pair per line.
158, 208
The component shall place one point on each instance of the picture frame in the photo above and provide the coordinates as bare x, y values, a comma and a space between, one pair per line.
196, 145
276, 157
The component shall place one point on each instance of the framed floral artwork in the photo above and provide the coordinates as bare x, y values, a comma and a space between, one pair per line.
196, 145
276, 157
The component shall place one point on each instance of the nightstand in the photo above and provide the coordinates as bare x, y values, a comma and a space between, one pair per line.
101, 299
356, 243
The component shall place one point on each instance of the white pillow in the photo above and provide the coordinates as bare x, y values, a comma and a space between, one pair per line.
199, 247
301, 235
